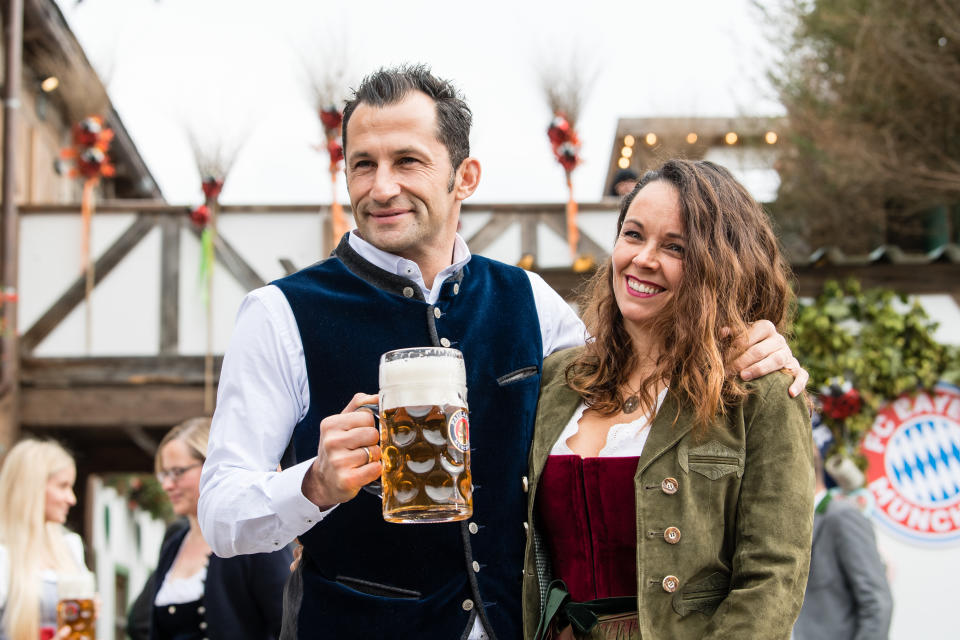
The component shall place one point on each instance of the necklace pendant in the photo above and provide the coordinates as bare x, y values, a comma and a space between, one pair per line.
630, 404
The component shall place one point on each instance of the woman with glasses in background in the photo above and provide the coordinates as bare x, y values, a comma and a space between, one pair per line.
199, 595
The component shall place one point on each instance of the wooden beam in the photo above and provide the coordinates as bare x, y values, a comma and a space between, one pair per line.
586, 245
288, 265
170, 285
74, 294
118, 406
493, 229
115, 371
938, 277
233, 262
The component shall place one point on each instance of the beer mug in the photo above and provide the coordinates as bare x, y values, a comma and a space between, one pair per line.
75, 608
424, 436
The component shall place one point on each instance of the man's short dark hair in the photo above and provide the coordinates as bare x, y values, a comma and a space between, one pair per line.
390, 86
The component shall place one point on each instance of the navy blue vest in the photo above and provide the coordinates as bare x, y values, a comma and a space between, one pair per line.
366, 578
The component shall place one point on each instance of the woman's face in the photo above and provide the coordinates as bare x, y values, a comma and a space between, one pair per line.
180, 477
648, 255
59, 495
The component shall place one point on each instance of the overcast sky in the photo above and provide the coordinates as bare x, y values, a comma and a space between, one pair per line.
232, 69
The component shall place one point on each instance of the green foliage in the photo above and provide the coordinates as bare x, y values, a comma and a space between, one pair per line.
143, 491
876, 340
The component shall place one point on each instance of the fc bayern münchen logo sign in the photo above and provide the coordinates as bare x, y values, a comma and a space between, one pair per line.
913, 472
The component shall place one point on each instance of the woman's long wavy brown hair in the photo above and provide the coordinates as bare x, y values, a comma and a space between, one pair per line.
733, 274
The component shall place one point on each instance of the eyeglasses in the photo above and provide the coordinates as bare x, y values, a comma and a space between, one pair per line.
174, 473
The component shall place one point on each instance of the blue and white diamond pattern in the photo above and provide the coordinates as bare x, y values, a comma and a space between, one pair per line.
923, 461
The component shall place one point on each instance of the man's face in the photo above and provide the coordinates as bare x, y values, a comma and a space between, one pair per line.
399, 175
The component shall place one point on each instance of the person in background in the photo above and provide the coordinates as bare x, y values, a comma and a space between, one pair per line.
847, 597
658, 479
624, 180
36, 550
197, 594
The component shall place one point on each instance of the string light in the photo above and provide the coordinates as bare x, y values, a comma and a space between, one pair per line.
626, 152
628, 140
650, 139
731, 138
623, 163
50, 83
691, 138
771, 137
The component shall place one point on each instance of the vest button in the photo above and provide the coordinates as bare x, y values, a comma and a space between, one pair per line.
670, 583
201, 610
525, 484
526, 528
467, 604
672, 535
456, 288
473, 527
669, 486
408, 292
476, 566
171, 609
444, 342
436, 313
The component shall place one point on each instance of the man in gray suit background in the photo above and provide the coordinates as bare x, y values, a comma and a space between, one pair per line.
847, 593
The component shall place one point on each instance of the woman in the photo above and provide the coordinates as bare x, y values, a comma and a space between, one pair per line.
36, 493
199, 595
674, 499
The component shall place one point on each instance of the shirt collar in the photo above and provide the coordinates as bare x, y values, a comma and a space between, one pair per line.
408, 268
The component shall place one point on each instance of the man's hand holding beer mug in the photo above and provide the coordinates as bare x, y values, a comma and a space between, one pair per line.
423, 441
348, 456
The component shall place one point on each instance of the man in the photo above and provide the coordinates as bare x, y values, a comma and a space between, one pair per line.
847, 593
304, 346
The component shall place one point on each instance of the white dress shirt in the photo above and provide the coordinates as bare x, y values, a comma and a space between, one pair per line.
246, 505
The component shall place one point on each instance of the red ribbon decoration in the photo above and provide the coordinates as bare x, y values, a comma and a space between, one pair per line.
566, 149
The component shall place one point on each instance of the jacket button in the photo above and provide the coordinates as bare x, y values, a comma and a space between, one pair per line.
476, 566
525, 484
436, 313
408, 292
467, 604
672, 535
444, 342
670, 584
669, 486
473, 527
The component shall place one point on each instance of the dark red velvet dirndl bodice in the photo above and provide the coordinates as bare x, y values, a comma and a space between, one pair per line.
586, 513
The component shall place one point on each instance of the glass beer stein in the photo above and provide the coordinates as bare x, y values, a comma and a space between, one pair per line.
424, 436
75, 608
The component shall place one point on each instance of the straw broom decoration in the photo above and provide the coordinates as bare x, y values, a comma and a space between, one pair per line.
566, 93
327, 87
213, 162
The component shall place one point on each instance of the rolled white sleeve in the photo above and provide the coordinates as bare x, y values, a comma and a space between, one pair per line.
246, 505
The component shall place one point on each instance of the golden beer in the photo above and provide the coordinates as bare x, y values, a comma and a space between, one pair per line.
75, 608
425, 436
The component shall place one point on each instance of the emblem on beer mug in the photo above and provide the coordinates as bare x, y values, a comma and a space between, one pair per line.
458, 430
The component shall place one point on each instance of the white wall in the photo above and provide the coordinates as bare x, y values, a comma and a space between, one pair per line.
121, 549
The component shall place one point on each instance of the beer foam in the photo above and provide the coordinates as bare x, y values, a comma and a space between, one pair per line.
422, 381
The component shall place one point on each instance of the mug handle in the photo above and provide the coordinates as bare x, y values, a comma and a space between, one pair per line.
373, 488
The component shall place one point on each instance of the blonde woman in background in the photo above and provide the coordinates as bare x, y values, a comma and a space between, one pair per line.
36, 493
199, 595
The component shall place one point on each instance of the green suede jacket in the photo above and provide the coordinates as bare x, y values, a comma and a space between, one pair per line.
724, 522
